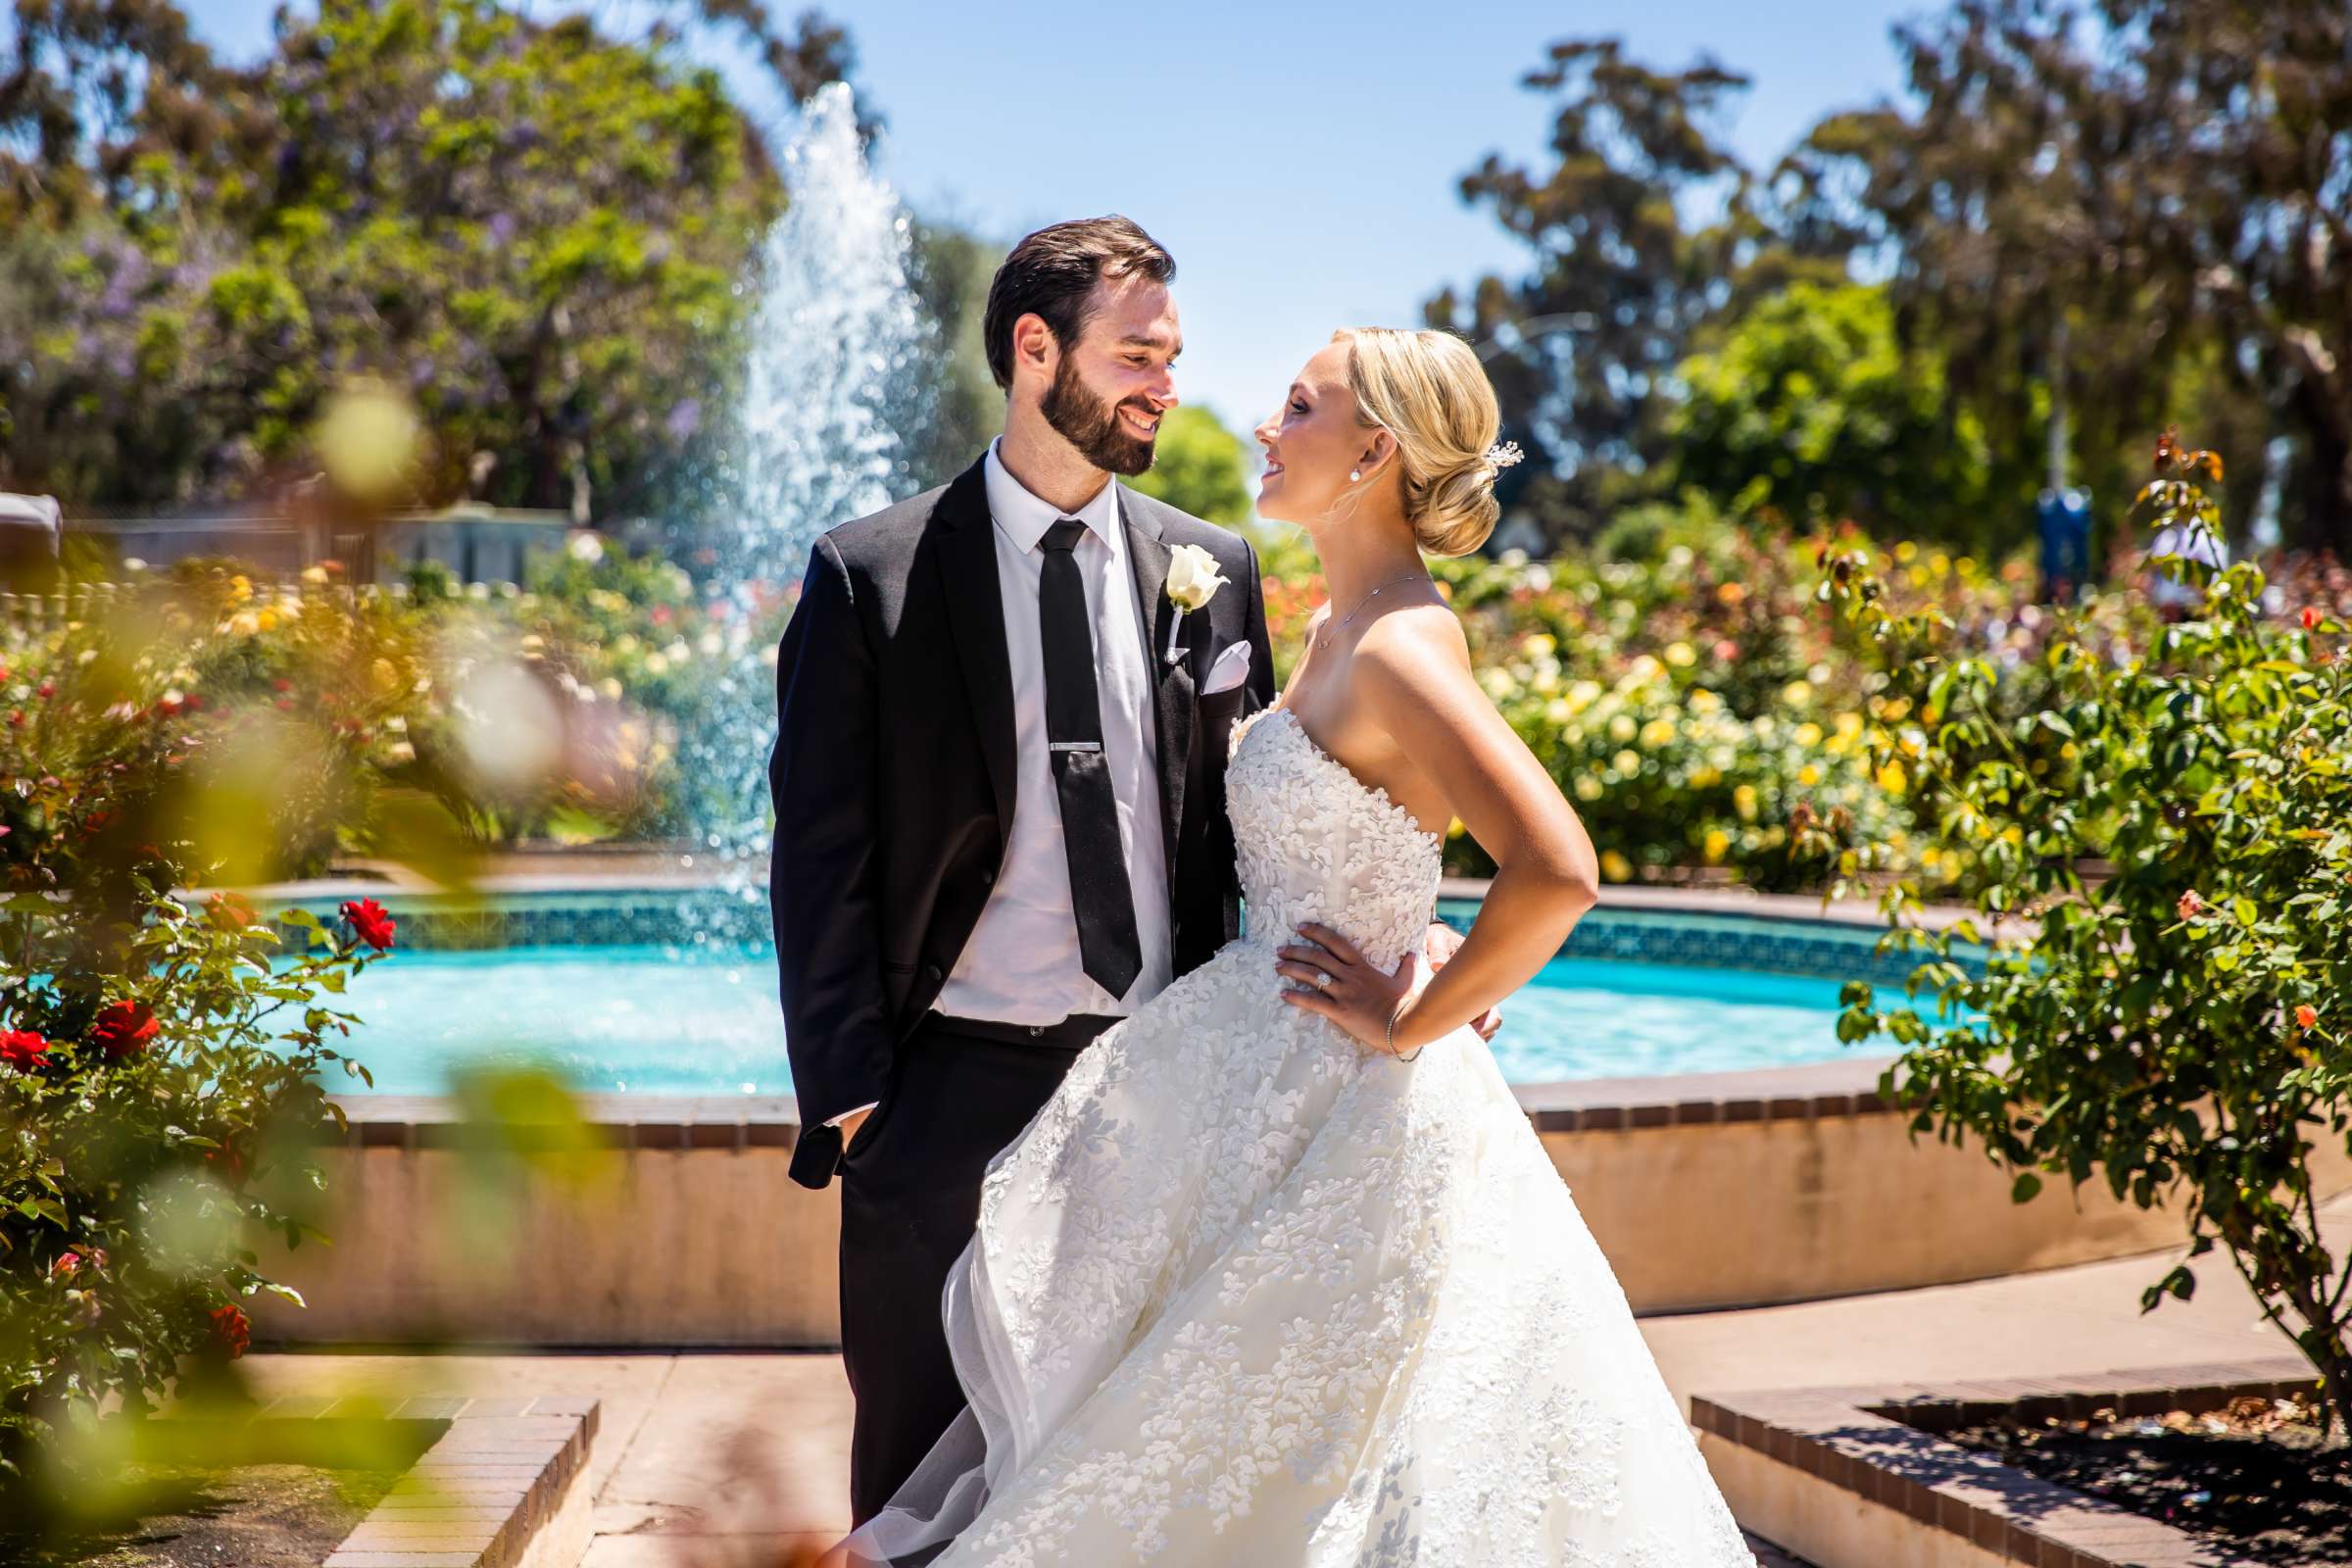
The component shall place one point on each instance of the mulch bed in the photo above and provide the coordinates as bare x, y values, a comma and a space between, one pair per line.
253, 1516
2255, 1478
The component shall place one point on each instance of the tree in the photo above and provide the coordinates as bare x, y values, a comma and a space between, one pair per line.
2102, 214
537, 230
1807, 410
950, 275
1581, 351
2249, 195
1199, 468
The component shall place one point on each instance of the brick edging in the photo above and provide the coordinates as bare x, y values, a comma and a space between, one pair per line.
1849, 1438
476, 1498
1816, 1091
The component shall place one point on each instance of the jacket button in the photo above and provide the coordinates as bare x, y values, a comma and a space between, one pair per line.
931, 971
988, 878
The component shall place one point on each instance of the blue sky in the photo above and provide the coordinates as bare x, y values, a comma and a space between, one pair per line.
1298, 158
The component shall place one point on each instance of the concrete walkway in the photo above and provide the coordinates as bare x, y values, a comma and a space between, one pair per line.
728, 1460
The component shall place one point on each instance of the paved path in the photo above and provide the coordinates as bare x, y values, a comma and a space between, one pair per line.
725, 1460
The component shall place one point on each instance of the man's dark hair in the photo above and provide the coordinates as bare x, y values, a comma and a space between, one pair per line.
1053, 274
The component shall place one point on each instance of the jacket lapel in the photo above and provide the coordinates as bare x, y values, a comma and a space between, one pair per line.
1171, 684
967, 567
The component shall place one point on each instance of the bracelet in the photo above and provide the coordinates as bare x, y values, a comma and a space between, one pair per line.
1394, 1015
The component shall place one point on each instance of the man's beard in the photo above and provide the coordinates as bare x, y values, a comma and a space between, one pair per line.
1092, 427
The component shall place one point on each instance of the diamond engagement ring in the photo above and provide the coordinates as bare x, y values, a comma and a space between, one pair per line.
1322, 980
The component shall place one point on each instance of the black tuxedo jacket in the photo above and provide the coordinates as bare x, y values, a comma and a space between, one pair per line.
892, 773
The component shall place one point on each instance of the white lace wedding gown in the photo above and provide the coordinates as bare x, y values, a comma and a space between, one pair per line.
1247, 1293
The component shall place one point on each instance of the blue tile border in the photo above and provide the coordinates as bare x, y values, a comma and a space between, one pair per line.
1773, 943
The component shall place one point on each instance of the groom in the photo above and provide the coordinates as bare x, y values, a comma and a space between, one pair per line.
999, 792
999, 804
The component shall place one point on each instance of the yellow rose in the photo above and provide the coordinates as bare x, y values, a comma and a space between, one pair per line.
1616, 868
1193, 577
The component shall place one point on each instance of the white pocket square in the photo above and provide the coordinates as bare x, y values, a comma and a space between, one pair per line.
1230, 671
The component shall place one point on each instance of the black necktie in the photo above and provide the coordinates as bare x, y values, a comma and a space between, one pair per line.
1100, 896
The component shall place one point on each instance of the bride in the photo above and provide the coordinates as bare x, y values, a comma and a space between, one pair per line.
1281, 1274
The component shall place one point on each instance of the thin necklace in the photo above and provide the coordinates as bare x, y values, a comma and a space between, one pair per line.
1375, 593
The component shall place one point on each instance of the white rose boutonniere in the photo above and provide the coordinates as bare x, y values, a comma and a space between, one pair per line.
1193, 581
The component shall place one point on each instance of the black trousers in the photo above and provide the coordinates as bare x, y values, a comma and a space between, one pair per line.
910, 1198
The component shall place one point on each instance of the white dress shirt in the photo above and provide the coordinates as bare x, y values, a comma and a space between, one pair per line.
1022, 963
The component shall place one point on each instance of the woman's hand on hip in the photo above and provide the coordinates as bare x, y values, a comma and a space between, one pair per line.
1332, 977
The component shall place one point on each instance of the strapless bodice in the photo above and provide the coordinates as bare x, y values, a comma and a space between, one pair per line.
1316, 843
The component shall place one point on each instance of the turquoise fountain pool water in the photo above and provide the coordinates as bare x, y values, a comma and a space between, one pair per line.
664, 1020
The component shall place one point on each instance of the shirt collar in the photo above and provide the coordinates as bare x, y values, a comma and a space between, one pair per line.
1025, 518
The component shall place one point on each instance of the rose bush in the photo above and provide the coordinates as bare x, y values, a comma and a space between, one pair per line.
163, 1062
2163, 848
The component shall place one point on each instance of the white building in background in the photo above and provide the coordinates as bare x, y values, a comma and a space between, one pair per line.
30, 528
478, 542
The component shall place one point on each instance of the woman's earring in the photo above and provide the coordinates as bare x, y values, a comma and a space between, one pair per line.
1355, 475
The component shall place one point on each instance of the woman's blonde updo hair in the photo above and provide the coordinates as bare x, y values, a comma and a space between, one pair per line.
1429, 391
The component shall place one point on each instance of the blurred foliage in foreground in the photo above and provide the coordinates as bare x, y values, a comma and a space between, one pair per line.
166, 1054
164, 1063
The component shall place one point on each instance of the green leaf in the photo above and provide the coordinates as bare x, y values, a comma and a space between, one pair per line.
2024, 1187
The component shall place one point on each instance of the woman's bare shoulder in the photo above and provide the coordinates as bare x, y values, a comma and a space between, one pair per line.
1415, 642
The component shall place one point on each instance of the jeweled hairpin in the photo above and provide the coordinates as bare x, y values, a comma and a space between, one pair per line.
1504, 455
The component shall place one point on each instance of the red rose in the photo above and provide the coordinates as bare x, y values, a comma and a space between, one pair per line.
230, 1162
370, 923
123, 1028
23, 1050
230, 912
2306, 1017
232, 1329
2311, 619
